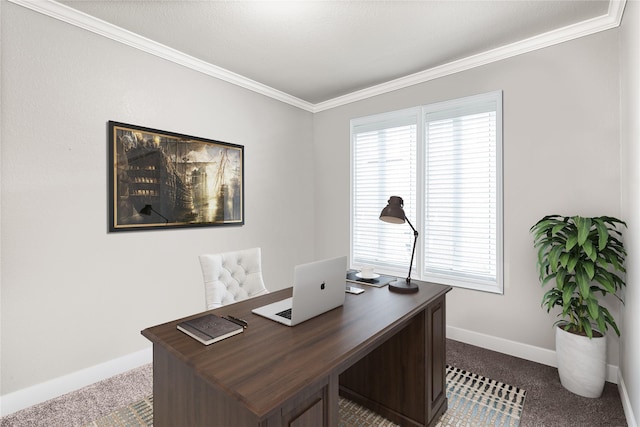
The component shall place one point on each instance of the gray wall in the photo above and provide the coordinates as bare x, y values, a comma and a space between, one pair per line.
74, 296
561, 155
630, 137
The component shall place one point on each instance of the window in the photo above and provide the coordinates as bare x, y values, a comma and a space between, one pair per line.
445, 161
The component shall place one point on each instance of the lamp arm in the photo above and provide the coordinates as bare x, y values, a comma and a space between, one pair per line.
162, 216
411, 225
413, 251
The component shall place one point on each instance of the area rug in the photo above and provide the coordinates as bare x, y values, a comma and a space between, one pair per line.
473, 400
137, 414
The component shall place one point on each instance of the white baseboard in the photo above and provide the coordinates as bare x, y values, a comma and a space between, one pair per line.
21, 399
539, 355
514, 348
626, 403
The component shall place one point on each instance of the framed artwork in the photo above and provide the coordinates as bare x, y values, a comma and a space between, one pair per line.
160, 179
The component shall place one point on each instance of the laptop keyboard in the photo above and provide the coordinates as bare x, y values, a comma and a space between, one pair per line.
286, 314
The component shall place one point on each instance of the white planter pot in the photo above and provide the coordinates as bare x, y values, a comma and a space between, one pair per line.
582, 362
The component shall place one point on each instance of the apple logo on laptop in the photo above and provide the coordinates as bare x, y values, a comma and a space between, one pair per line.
322, 285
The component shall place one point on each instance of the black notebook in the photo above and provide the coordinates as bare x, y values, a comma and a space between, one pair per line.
209, 328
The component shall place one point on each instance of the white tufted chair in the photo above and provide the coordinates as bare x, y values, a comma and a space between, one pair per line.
232, 276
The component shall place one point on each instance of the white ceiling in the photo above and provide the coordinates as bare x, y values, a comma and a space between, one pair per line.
318, 51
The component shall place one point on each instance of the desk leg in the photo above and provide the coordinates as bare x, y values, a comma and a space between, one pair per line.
404, 378
437, 360
333, 405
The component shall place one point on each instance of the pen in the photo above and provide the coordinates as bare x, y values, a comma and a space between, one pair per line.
238, 321
244, 322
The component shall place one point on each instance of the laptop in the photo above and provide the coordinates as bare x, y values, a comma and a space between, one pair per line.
317, 288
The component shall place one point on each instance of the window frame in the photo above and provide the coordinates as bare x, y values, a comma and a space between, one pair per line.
418, 270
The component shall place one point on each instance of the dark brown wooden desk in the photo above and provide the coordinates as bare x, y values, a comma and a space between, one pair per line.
383, 350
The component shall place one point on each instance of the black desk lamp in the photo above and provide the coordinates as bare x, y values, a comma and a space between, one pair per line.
394, 214
148, 209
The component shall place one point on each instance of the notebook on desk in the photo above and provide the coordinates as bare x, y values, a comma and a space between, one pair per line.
317, 288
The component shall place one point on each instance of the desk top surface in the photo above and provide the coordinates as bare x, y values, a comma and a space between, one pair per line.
269, 362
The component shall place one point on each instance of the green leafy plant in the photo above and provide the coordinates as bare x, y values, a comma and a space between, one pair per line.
585, 257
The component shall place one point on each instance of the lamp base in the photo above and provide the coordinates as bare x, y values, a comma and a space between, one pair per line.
401, 286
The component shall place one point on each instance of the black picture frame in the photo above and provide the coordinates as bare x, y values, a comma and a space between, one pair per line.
160, 179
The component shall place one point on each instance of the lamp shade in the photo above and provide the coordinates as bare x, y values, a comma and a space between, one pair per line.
146, 210
393, 212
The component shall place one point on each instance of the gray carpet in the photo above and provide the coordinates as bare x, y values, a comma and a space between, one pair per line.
548, 404
87, 404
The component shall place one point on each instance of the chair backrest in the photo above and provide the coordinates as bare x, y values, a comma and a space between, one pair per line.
232, 276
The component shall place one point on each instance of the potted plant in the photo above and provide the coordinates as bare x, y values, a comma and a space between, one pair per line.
584, 258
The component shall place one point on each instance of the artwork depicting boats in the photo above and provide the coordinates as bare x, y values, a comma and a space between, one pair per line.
162, 179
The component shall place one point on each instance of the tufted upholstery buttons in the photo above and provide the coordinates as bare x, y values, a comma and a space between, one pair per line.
232, 276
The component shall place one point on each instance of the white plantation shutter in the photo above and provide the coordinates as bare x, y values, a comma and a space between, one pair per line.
461, 203
445, 161
384, 165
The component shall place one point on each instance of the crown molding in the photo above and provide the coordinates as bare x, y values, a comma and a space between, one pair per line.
601, 23
80, 19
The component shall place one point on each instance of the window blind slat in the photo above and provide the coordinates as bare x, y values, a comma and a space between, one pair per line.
460, 195
384, 154
460, 171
